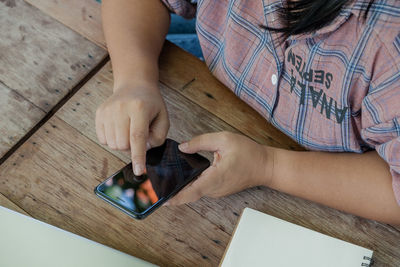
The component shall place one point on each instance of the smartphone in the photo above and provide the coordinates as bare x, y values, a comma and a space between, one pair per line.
168, 170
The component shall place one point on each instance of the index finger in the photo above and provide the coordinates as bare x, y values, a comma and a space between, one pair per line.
139, 131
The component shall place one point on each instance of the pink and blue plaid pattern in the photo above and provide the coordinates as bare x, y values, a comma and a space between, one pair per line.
337, 89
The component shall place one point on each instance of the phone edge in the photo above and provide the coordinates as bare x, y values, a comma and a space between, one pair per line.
147, 212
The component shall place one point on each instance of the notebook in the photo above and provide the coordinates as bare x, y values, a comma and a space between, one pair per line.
25, 241
263, 240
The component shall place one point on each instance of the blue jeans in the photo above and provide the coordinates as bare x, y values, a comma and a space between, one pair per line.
182, 32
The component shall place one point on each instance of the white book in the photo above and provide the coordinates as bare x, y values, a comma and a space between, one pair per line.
26, 242
263, 240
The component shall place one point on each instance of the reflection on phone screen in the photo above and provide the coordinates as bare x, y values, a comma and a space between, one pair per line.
167, 170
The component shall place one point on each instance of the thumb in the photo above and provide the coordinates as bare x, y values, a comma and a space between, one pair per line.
195, 190
205, 142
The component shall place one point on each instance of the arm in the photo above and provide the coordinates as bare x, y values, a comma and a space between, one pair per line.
360, 184
135, 31
134, 117
357, 183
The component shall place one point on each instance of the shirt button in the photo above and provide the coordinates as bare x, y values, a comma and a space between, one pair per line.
274, 79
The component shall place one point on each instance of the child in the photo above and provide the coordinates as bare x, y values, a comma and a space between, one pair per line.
326, 73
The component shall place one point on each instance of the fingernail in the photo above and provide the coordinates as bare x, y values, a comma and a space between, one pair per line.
183, 146
148, 146
138, 169
166, 204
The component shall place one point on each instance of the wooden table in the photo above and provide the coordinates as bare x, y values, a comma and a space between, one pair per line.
54, 72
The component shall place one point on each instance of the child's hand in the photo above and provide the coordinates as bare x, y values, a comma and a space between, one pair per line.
133, 118
239, 163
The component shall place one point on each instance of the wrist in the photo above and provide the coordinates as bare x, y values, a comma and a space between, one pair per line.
145, 77
266, 168
270, 162
284, 167
276, 165
136, 83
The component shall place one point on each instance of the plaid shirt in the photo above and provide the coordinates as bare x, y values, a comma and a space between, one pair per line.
337, 89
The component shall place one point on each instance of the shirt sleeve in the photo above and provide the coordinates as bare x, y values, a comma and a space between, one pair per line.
183, 8
380, 112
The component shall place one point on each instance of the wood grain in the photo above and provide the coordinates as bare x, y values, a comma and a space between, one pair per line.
41, 60
5, 202
197, 85
187, 119
53, 175
83, 16
18, 116
194, 82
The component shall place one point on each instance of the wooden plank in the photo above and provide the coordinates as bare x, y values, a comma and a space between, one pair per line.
18, 117
223, 212
186, 116
41, 59
5, 202
196, 82
52, 176
40, 62
82, 16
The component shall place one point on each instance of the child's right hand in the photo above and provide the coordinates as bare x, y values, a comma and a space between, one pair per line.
133, 118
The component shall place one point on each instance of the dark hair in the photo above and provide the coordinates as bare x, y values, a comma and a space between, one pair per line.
306, 16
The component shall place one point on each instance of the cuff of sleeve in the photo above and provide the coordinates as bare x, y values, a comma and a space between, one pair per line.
182, 8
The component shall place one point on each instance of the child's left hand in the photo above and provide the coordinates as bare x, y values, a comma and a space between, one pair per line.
239, 163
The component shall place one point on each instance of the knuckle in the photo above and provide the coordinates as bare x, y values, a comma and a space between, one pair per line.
114, 106
119, 106
139, 104
123, 146
138, 135
138, 158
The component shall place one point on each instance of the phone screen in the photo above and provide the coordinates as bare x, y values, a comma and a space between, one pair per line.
167, 171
